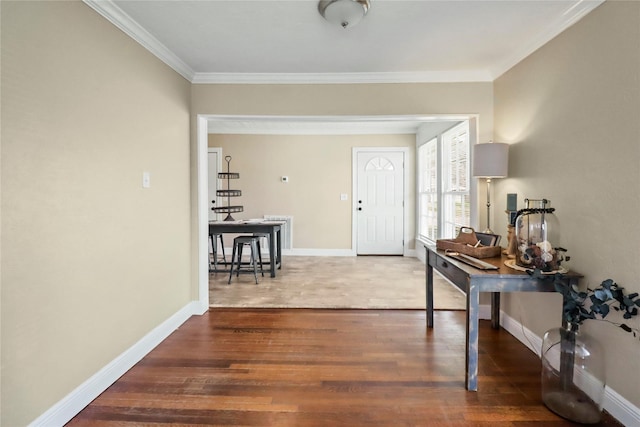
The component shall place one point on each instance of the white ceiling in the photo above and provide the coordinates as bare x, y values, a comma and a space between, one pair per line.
287, 41
398, 40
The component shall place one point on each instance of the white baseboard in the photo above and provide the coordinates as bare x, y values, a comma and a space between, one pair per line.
333, 252
319, 252
198, 308
484, 312
522, 334
620, 408
410, 253
63, 411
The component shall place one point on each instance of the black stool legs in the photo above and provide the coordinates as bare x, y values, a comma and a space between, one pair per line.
236, 256
213, 238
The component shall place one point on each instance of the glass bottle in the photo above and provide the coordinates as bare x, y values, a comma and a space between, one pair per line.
573, 374
537, 234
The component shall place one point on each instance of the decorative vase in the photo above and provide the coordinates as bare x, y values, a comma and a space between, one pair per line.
537, 234
573, 374
512, 244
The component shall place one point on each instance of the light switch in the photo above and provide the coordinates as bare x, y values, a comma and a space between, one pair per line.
146, 180
285, 179
344, 196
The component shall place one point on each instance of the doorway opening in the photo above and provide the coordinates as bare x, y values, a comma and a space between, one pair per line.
316, 125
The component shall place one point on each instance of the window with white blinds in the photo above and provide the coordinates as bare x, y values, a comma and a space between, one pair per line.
443, 190
428, 190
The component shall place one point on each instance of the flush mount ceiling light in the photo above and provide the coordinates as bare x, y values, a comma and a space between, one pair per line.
345, 13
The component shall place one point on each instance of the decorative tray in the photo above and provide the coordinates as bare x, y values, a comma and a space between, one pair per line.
467, 243
511, 263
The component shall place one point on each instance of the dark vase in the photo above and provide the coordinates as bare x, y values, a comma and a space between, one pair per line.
573, 374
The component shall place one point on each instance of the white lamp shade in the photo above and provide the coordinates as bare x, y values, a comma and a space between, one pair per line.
345, 13
490, 160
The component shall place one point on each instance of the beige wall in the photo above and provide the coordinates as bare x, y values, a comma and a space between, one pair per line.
353, 99
91, 262
571, 112
349, 99
319, 168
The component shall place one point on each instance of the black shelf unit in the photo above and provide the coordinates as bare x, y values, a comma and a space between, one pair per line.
228, 193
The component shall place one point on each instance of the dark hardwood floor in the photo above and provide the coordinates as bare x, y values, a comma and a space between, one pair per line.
294, 367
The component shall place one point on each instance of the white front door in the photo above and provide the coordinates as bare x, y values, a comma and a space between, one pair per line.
380, 203
213, 181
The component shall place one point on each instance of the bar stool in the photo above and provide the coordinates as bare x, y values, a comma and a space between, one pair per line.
236, 257
213, 238
265, 236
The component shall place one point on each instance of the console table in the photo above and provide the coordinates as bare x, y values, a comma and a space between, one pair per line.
472, 281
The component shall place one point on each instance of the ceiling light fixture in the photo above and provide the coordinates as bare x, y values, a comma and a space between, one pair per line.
345, 13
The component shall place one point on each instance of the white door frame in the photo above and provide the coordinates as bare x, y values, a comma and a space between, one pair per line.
202, 228
354, 192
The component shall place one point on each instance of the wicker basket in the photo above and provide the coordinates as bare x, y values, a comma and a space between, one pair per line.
466, 243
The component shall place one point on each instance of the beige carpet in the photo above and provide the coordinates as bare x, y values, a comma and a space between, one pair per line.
336, 282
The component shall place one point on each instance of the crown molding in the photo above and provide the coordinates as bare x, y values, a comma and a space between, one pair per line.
575, 13
129, 26
343, 78
115, 15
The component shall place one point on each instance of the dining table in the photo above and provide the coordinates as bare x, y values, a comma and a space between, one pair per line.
269, 227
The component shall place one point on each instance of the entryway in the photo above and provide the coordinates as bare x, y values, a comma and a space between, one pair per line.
379, 200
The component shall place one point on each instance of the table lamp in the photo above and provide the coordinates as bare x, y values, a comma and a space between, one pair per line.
490, 160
